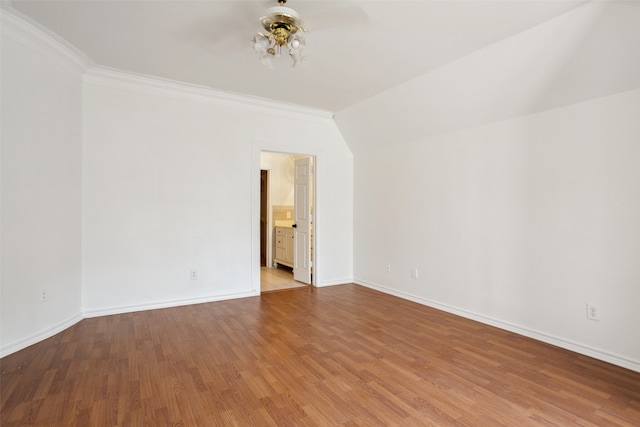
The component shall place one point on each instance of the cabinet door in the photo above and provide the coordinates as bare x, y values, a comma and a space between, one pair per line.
280, 245
290, 246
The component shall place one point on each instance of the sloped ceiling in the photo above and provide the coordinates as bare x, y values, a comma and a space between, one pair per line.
390, 71
592, 51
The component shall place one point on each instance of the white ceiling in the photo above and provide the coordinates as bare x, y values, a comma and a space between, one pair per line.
591, 52
356, 49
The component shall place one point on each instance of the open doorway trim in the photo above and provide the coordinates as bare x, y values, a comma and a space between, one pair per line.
275, 147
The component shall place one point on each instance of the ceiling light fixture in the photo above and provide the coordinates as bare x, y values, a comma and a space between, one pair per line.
284, 30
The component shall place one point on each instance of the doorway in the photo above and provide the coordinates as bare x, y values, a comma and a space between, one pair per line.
287, 205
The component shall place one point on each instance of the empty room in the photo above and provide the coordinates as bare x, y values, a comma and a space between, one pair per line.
320, 213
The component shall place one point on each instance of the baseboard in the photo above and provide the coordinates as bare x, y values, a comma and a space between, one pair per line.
549, 339
6, 350
334, 282
164, 304
48, 333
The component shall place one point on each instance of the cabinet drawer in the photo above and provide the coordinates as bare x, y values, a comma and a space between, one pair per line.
280, 231
280, 242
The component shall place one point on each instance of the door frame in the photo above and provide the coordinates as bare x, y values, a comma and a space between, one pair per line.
269, 219
258, 146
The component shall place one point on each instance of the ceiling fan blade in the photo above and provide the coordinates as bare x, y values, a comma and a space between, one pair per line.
335, 17
231, 26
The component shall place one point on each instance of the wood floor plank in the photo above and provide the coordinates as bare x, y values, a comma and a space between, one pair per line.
344, 356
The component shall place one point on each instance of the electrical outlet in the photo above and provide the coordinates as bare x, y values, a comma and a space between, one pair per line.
593, 312
193, 274
414, 273
43, 295
387, 268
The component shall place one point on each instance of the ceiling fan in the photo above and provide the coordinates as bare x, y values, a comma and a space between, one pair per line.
285, 31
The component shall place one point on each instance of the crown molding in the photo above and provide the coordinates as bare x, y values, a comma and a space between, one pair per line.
42, 41
35, 37
116, 79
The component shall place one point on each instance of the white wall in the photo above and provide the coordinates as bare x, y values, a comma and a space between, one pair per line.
169, 185
509, 178
518, 223
41, 186
280, 168
115, 186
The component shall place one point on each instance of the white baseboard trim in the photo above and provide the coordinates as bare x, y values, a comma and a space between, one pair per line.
164, 304
549, 339
6, 350
325, 283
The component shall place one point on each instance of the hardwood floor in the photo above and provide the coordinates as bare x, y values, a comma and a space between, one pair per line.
276, 279
342, 355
